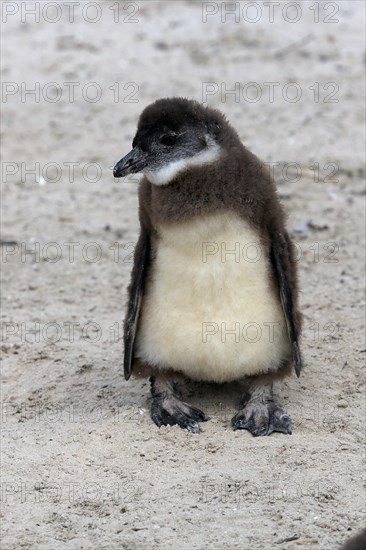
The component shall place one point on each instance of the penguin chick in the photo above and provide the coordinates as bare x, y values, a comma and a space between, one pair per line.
213, 293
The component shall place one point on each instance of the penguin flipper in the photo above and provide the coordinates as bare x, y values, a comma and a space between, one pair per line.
135, 290
283, 259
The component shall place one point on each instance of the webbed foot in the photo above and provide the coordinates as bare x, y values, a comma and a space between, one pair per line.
262, 419
168, 410
259, 414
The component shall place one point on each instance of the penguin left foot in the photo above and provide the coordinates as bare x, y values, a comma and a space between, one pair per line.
260, 414
168, 410
262, 419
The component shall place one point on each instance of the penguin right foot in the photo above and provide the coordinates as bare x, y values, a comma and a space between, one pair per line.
170, 411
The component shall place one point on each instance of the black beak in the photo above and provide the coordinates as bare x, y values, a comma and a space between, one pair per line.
133, 162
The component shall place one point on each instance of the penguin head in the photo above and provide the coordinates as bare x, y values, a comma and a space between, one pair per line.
173, 135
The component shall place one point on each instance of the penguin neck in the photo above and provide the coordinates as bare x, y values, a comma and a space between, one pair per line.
200, 190
186, 195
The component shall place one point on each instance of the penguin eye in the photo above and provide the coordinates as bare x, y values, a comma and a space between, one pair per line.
168, 139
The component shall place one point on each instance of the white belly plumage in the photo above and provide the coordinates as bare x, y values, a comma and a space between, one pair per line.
208, 310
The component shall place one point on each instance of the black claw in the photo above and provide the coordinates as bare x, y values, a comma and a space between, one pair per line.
243, 425
280, 422
193, 427
198, 415
263, 430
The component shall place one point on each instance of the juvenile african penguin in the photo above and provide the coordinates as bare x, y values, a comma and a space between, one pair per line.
213, 293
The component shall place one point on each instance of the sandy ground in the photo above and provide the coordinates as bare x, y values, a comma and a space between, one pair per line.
82, 465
